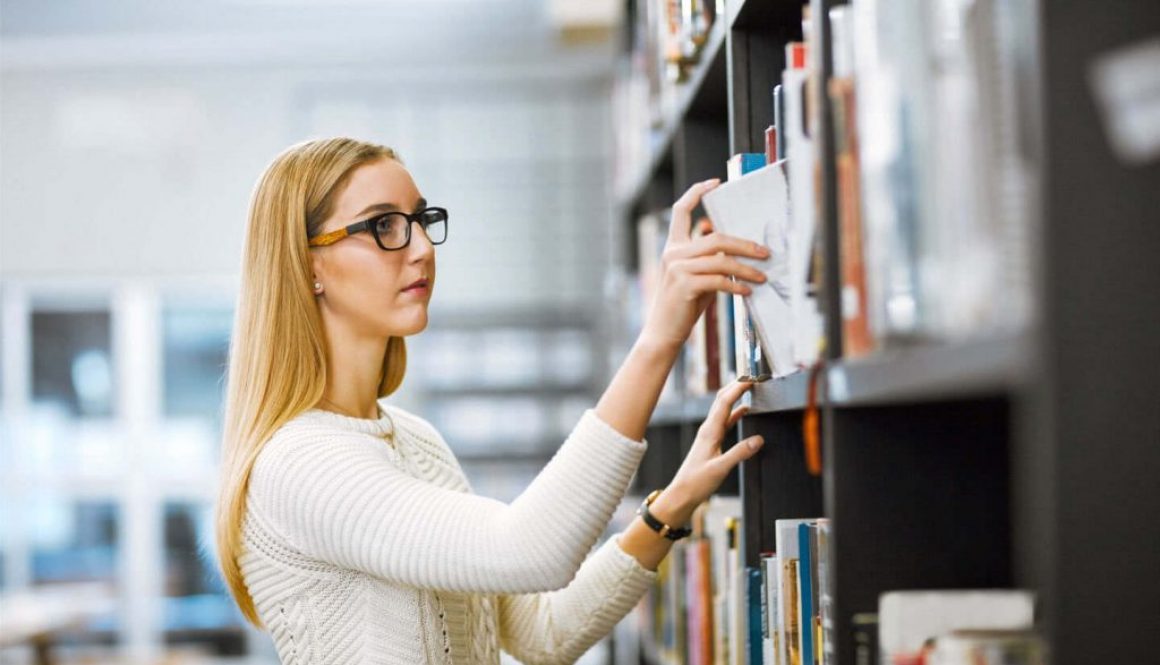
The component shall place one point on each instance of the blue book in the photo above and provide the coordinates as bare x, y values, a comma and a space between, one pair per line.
805, 584
754, 639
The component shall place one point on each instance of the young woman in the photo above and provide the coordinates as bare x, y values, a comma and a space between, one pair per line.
345, 526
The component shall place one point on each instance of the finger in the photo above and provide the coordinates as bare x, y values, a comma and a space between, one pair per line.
737, 415
720, 264
720, 242
727, 397
744, 449
679, 229
712, 283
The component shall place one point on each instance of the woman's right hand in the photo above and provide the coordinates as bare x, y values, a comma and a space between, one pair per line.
706, 465
693, 270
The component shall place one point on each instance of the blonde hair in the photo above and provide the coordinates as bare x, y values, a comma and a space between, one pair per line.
277, 355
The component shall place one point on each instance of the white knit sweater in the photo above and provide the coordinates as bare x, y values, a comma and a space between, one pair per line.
364, 544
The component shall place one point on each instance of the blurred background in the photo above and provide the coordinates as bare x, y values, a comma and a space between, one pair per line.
131, 135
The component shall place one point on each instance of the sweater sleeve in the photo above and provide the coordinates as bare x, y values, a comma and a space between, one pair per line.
340, 499
559, 626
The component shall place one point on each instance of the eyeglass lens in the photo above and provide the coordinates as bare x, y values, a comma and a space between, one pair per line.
392, 229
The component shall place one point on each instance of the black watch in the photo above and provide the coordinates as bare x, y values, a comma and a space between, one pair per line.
657, 525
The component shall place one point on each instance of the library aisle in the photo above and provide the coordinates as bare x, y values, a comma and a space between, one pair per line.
955, 355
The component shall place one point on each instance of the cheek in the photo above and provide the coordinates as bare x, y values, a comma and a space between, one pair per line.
367, 280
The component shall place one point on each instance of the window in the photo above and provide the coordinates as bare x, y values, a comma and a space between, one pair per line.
72, 367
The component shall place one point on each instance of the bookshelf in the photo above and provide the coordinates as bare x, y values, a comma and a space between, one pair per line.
1025, 459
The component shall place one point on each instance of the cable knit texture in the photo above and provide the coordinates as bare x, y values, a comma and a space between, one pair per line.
364, 544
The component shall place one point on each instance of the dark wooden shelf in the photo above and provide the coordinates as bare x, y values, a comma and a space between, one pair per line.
761, 14
776, 395
708, 73
987, 367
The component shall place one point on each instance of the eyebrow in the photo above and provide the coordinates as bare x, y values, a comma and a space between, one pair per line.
391, 207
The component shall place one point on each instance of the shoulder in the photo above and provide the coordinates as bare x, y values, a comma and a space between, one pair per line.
309, 438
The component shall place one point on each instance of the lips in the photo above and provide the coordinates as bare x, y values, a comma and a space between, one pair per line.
419, 283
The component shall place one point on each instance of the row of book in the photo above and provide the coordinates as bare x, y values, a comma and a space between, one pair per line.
934, 194
666, 41
709, 607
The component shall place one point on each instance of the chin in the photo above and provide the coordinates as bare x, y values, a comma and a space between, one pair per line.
412, 325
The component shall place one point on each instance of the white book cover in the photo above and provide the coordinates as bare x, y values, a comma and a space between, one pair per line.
755, 207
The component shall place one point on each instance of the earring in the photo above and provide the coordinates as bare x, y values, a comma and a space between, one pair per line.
318, 287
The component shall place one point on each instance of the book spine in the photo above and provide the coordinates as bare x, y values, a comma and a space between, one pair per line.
749, 353
806, 605
770, 570
753, 633
825, 599
779, 120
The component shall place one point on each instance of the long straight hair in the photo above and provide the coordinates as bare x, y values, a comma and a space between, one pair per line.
277, 355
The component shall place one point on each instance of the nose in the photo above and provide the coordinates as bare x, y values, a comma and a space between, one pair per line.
420, 246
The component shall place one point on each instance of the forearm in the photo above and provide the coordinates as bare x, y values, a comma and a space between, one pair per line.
559, 626
628, 402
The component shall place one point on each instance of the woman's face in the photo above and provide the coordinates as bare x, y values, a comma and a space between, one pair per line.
364, 286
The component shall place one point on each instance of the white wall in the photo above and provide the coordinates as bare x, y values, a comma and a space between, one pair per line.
140, 172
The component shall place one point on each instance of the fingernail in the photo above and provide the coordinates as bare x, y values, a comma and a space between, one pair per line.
755, 442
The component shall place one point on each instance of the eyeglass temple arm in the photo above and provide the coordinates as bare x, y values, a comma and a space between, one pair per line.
336, 235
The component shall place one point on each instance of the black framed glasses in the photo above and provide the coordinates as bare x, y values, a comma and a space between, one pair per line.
392, 230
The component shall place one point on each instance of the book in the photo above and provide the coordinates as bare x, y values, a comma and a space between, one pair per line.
738, 609
865, 633
802, 226
749, 360
856, 338
769, 606
989, 647
769, 569
909, 619
945, 172
786, 535
825, 594
755, 207
699, 598
809, 607
719, 513
754, 644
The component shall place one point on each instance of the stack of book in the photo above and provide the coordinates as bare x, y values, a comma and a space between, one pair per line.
934, 171
691, 614
958, 627
770, 198
666, 39
709, 607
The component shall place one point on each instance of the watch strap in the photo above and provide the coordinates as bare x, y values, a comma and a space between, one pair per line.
658, 526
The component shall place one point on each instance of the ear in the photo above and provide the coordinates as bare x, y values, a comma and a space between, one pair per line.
317, 270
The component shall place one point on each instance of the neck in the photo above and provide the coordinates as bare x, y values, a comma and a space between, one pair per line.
353, 372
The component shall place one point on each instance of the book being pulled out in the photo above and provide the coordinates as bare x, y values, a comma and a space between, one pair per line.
755, 207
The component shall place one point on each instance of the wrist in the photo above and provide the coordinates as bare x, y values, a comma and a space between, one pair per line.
658, 346
673, 507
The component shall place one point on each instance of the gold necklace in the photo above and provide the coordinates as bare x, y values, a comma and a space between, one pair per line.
344, 411
389, 437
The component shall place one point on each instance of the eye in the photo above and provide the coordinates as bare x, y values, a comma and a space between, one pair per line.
391, 228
